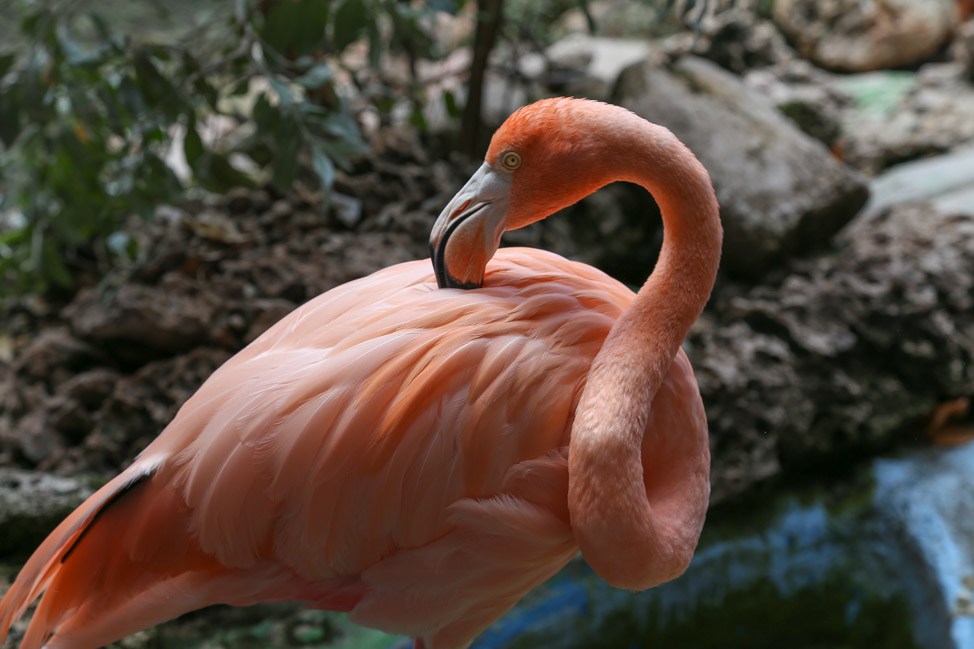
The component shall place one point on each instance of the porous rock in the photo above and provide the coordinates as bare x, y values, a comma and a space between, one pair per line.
845, 354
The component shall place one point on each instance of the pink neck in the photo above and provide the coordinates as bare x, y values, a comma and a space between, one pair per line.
620, 535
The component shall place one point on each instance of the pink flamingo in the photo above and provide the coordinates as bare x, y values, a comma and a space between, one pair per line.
422, 458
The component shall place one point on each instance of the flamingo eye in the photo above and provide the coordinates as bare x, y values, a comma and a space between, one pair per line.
511, 160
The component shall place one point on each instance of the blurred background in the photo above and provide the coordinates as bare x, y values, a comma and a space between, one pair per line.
175, 176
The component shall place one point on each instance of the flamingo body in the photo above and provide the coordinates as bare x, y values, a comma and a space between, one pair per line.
421, 458
389, 449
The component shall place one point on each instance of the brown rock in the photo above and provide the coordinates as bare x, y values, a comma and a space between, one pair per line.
132, 317
846, 353
857, 36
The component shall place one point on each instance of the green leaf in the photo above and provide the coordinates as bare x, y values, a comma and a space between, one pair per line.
446, 6
131, 96
418, 119
287, 145
13, 237
351, 19
240, 88
376, 46
281, 88
339, 152
407, 33
9, 117
324, 167
73, 53
309, 34
104, 32
342, 126
193, 147
316, 77
6, 62
33, 21
265, 115
52, 264
156, 89
201, 84
450, 102
227, 176
280, 24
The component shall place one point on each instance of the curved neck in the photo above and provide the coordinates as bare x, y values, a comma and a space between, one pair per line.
626, 541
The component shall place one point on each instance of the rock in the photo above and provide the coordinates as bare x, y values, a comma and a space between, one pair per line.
780, 192
894, 117
35, 438
164, 318
804, 94
610, 19
574, 52
857, 36
347, 209
70, 409
962, 50
239, 200
845, 353
140, 406
737, 40
216, 226
947, 181
960, 200
31, 505
588, 66
54, 348
925, 497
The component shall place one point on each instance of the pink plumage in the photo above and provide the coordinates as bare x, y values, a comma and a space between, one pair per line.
392, 450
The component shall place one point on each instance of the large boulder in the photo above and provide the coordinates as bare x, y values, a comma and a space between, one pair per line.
780, 191
856, 36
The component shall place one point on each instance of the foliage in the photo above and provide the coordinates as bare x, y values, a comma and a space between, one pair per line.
89, 118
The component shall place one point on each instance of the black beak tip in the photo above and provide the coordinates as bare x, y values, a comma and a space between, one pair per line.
446, 280
438, 252
453, 282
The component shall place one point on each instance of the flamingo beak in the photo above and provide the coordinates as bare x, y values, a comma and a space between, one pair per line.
468, 231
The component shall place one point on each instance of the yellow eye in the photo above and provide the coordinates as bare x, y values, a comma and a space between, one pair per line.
510, 161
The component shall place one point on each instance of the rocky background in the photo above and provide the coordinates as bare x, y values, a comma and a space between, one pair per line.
840, 138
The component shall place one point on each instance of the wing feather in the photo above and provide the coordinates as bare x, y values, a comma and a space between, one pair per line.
436, 391
374, 435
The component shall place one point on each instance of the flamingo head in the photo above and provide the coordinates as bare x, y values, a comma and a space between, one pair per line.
543, 158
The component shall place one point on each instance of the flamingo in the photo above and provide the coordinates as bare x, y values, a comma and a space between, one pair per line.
421, 456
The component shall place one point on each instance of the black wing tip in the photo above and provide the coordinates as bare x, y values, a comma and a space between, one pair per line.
125, 489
